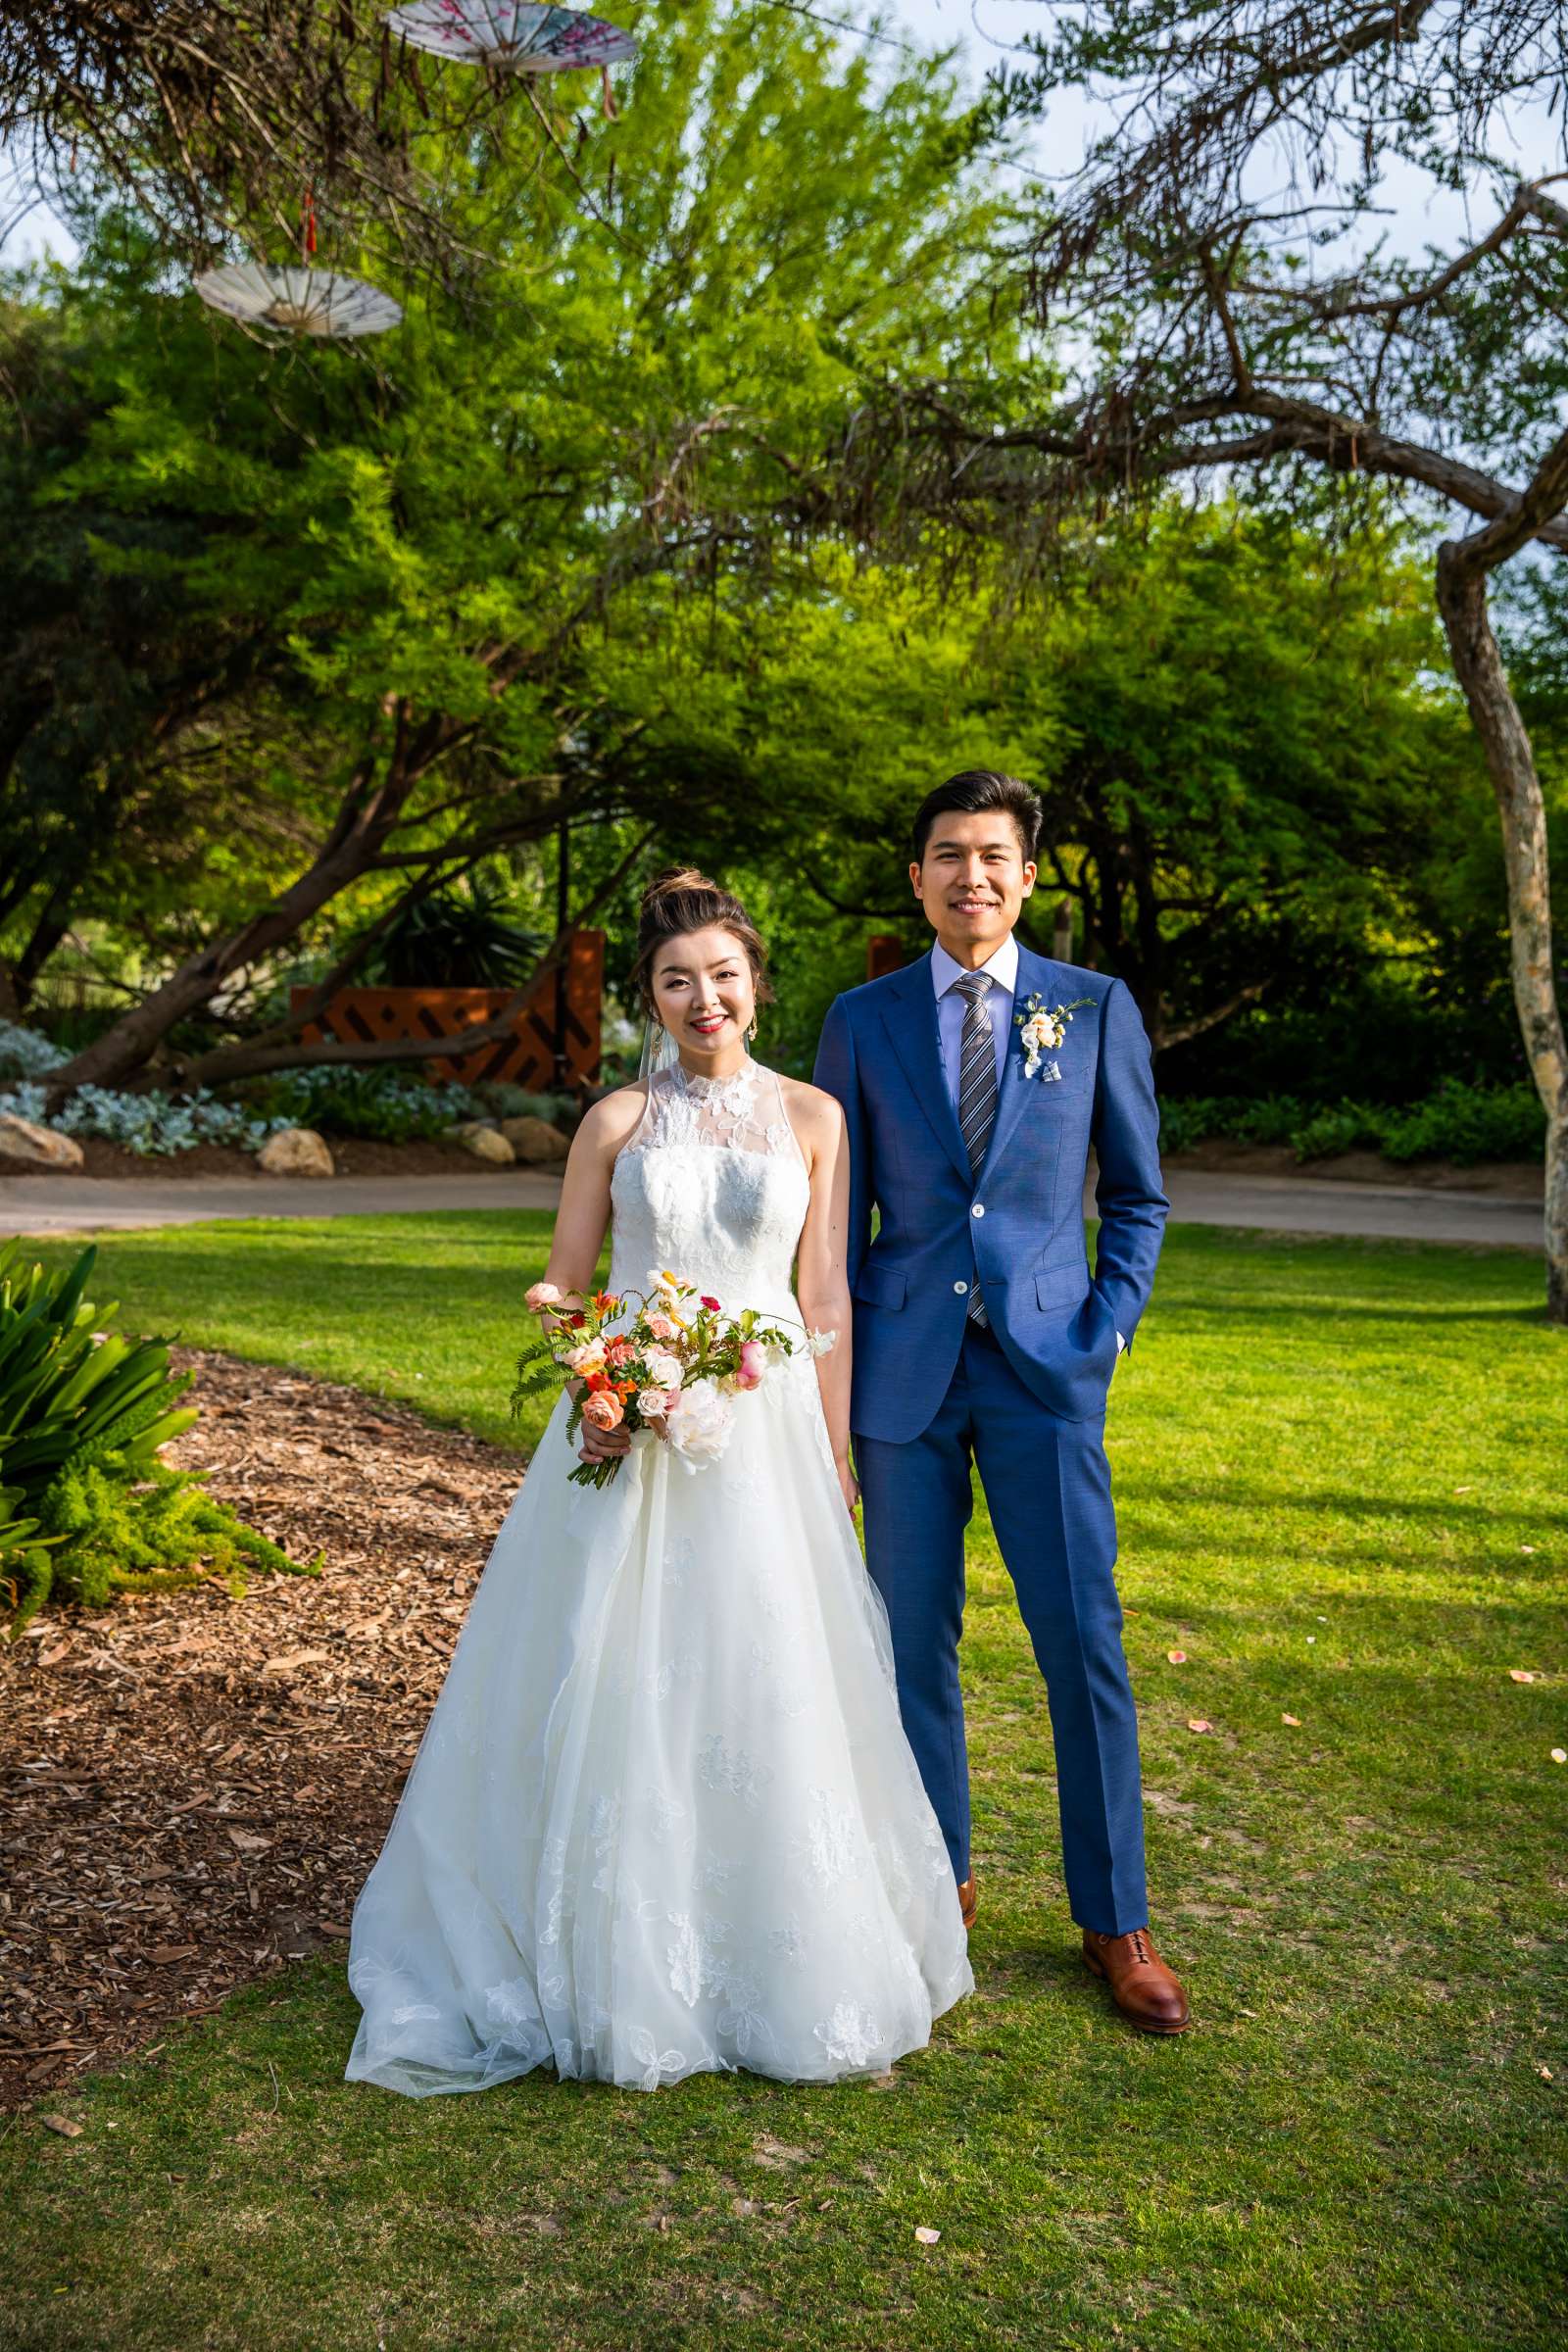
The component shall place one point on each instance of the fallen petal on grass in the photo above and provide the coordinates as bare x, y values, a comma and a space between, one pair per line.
1198, 1723
1520, 1674
1177, 1657
1559, 1755
927, 2237
1295, 1719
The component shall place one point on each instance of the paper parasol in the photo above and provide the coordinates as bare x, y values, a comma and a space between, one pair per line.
302, 302
522, 39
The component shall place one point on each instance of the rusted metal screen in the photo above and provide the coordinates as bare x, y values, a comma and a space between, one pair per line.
525, 1056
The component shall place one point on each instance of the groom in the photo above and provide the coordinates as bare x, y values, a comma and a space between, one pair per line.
980, 1333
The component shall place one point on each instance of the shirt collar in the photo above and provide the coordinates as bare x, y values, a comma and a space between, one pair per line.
1003, 965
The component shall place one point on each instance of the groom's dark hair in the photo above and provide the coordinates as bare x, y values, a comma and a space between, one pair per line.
974, 789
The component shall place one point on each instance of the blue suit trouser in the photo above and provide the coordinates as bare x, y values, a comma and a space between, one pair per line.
1048, 1483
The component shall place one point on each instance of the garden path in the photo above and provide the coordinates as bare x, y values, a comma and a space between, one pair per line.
58, 1205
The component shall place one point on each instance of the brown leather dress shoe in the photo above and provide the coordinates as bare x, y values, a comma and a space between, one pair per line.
1142, 1986
968, 1900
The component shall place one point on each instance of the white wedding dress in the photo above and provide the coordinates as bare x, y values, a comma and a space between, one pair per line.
663, 1818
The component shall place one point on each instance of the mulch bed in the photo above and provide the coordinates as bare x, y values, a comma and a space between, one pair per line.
193, 1787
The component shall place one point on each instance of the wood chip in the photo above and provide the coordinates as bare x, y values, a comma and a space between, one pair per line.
152, 1870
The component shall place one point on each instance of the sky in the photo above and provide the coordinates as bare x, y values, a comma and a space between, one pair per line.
1417, 213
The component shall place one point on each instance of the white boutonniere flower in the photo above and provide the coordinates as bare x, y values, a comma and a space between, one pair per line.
1042, 1028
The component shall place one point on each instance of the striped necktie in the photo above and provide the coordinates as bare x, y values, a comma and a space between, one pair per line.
977, 1089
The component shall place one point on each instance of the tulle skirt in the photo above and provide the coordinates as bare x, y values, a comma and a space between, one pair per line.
663, 1818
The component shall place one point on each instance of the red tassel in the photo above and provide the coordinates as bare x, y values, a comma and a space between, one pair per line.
607, 95
308, 225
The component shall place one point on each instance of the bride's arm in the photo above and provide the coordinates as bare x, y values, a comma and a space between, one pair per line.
821, 1282
583, 1219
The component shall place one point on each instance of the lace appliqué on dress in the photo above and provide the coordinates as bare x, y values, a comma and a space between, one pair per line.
723, 1113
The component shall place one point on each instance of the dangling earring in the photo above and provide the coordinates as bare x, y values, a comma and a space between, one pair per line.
751, 1031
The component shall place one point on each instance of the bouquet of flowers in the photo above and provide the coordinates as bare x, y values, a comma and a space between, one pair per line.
673, 1369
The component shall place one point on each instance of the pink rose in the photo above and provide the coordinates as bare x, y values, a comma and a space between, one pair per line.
752, 1365
662, 1328
603, 1409
539, 1296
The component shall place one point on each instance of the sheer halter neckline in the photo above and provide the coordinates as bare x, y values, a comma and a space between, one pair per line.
693, 1082
741, 1111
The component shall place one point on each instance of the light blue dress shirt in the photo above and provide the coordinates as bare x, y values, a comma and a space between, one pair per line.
951, 1005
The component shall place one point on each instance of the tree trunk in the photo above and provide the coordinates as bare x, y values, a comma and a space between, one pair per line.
364, 822
1479, 666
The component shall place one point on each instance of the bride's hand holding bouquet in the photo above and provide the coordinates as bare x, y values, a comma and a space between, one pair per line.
672, 1370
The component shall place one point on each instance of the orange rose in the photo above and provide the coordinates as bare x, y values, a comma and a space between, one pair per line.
603, 1409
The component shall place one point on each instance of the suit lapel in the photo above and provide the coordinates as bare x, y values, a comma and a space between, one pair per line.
1034, 974
916, 1037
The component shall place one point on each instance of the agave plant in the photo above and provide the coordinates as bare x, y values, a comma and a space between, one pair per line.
87, 1507
461, 937
63, 1386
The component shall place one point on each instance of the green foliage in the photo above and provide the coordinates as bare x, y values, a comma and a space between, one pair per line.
681, 315
1458, 1122
504, 1100
457, 938
123, 1532
87, 1507
1249, 772
384, 1106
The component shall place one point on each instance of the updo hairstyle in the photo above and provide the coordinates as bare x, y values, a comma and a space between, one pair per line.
682, 900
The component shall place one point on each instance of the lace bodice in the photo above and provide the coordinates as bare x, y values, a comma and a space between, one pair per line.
713, 1185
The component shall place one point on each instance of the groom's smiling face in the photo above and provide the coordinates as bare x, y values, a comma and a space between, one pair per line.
972, 880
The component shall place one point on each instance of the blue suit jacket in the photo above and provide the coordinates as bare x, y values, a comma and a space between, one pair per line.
1021, 1226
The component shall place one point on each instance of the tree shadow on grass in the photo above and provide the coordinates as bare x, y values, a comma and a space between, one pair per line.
1279, 1503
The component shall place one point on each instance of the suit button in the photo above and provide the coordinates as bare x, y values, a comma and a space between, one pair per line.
979, 1209
960, 1286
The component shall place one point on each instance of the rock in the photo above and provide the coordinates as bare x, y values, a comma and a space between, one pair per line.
485, 1143
534, 1140
295, 1151
34, 1147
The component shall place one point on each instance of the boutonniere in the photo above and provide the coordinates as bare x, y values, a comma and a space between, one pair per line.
1041, 1029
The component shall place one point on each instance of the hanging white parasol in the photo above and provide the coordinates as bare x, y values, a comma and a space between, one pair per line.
520, 40
301, 302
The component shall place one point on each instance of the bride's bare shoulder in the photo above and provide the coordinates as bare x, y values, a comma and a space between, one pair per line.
811, 1110
613, 1120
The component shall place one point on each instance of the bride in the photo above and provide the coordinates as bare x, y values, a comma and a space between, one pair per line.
663, 1818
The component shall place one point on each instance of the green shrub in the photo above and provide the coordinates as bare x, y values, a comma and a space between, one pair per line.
121, 1532
504, 1100
1340, 1127
1457, 1122
1189, 1120
382, 1106
1468, 1123
87, 1507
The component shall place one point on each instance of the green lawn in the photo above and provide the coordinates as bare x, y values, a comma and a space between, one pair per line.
1340, 1470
